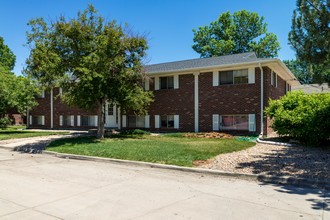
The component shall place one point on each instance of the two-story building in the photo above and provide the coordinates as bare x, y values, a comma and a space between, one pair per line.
227, 93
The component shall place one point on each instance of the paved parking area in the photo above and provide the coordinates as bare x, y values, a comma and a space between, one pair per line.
35, 186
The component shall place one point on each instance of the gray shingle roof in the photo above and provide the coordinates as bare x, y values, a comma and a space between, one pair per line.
202, 62
312, 88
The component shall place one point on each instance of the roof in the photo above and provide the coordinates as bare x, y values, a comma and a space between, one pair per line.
202, 62
312, 88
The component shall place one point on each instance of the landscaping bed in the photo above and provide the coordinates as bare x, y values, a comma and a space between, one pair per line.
175, 149
274, 160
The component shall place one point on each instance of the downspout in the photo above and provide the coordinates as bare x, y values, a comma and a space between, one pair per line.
261, 101
51, 109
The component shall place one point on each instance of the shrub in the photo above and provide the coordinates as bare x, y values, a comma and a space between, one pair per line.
134, 132
4, 122
305, 117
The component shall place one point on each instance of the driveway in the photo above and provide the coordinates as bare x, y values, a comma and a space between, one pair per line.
36, 186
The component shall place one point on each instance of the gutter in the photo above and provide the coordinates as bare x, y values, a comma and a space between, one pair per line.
261, 101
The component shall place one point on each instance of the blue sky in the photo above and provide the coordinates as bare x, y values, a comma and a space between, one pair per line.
167, 23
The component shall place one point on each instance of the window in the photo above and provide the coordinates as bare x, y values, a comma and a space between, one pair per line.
235, 122
110, 109
68, 120
42, 94
37, 120
136, 121
89, 120
273, 80
234, 77
167, 121
167, 82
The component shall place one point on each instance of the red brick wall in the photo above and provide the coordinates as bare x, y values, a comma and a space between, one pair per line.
175, 102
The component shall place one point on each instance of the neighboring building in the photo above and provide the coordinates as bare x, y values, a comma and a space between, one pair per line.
312, 88
225, 93
16, 117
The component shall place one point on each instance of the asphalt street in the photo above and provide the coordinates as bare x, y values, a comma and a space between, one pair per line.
39, 186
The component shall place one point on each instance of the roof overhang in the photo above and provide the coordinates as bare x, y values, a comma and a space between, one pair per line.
274, 64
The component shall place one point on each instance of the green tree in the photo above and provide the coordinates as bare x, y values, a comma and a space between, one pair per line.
7, 57
240, 32
310, 33
94, 61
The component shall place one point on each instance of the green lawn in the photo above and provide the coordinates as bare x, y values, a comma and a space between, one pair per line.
13, 132
165, 149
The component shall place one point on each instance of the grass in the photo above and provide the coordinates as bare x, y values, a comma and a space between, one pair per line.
13, 132
165, 149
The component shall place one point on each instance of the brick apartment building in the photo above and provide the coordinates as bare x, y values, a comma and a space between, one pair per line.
226, 93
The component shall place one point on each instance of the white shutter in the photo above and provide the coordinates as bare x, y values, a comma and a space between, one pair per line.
61, 120
147, 121
271, 78
72, 120
157, 120
252, 122
251, 75
176, 81
275, 79
30, 119
215, 120
124, 121
156, 83
61, 91
78, 120
43, 94
146, 84
176, 121
42, 120
215, 78
95, 120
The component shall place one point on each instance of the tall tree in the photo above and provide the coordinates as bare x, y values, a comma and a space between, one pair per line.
310, 34
94, 61
7, 57
240, 32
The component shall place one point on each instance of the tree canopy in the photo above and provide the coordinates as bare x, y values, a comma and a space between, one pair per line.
93, 60
7, 57
310, 35
239, 32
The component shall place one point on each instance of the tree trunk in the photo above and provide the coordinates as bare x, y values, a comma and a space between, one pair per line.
100, 119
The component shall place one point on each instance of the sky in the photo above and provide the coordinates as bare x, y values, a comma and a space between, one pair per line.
167, 24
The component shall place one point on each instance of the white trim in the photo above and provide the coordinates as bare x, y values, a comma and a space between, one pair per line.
215, 78
261, 100
96, 120
252, 122
42, 120
251, 75
156, 83
30, 120
196, 102
157, 121
176, 81
276, 80
61, 120
78, 120
61, 91
147, 121
215, 122
176, 122
43, 94
146, 84
71, 120
124, 117
51, 109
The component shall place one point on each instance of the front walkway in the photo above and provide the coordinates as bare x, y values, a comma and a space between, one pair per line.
45, 187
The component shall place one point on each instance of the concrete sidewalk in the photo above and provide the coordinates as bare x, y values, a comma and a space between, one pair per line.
45, 187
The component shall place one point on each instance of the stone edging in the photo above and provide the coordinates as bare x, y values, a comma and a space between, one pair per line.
314, 183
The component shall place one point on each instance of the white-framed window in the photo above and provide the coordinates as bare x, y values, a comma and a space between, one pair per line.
88, 120
235, 122
234, 77
136, 121
110, 109
167, 121
273, 79
37, 120
66, 120
166, 82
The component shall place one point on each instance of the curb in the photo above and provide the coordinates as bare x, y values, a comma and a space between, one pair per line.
276, 143
300, 182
